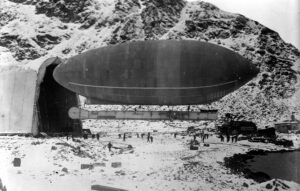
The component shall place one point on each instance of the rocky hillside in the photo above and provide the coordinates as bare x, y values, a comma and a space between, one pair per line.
32, 30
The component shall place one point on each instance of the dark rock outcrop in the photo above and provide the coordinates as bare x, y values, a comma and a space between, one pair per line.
66, 10
44, 40
21, 48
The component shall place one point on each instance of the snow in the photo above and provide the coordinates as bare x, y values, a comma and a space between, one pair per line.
165, 164
179, 26
6, 58
104, 8
41, 25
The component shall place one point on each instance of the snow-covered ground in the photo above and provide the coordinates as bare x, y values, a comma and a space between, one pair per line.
165, 164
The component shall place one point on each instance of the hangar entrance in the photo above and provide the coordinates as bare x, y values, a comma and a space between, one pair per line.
53, 104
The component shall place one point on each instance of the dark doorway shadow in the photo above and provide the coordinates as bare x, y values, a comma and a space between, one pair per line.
53, 104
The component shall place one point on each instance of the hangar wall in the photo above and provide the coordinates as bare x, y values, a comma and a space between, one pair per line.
17, 92
20, 103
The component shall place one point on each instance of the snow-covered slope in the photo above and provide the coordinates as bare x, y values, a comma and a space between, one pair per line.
31, 31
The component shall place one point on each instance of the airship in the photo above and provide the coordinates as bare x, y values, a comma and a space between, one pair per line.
158, 72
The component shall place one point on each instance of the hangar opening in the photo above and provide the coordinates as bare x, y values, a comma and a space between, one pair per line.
53, 103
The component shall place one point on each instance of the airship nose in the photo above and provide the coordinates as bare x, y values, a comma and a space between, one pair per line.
59, 76
247, 72
253, 71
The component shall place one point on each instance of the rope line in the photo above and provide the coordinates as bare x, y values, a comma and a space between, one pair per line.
152, 88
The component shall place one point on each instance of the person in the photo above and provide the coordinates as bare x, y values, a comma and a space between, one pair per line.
138, 135
142, 135
236, 138
148, 137
120, 136
228, 138
85, 135
175, 134
1, 185
109, 146
293, 118
98, 136
124, 136
202, 134
192, 147
151, 138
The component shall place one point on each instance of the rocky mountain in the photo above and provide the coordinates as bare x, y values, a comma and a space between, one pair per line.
32, 30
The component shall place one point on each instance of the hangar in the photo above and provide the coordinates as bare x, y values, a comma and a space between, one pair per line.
32, 101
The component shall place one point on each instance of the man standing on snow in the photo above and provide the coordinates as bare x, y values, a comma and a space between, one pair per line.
148, 137
109, 146
228, 138
232, 139
293, 118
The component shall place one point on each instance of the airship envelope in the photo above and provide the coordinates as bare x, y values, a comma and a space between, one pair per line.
162, 72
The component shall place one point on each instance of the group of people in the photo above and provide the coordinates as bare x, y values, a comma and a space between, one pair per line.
203, 136
149, 137
85, 135
124, 136
234, 138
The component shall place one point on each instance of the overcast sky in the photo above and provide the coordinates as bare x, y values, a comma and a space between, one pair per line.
282, 16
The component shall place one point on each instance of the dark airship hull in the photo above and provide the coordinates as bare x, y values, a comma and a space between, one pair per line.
163, 72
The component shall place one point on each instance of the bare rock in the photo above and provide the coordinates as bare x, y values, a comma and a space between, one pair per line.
53, 148
245, 185
17, 162
116, 164
87, 166
269, 186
